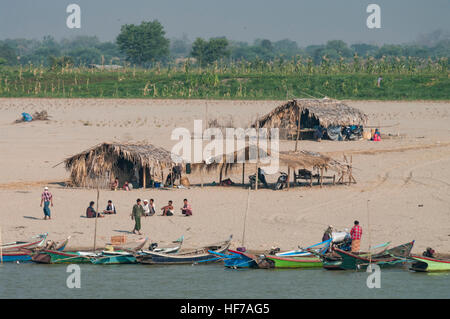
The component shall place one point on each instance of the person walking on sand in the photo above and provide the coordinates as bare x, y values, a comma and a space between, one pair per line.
47, 200
136, 214
356, 234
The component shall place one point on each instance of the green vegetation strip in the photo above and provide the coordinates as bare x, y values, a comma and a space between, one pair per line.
226, 83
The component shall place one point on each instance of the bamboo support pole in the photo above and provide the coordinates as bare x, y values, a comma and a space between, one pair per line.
368, 227
144, 184
243, 174
298, 129
257, 155
96, 217
288, 177
245, 216
221, 173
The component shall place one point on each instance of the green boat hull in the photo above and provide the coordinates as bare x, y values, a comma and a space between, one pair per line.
295, 262
114, 260
425, 264
54, 257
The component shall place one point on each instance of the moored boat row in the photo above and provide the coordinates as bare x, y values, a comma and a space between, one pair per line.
329, 254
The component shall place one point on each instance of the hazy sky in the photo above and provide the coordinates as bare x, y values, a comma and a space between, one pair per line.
305, 21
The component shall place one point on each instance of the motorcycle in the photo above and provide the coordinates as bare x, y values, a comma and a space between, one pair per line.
282, 181
352, 133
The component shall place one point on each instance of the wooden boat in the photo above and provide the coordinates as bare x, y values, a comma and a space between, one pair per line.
237, 259
321, 247
14, 246
108, 257
430, 264
295, 261
165, 250
114, 259
389, 258
58, 257
332, 260
24, 254
201, 255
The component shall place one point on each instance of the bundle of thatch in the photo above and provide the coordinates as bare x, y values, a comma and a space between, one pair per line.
102, 161
311, 112
37, 116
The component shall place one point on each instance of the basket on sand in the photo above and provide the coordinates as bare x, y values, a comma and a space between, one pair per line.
367, 135
185, 181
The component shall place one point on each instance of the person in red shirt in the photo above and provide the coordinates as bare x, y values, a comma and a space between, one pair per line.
356, 234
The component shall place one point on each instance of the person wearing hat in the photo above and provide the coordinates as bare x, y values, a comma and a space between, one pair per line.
136, 215
47, 200
146, 208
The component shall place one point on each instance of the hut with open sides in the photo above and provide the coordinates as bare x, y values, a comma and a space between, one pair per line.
138, 164
304, 164
250, 155
303, 116
309, 165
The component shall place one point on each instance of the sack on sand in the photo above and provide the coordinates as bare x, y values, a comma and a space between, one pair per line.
185, 181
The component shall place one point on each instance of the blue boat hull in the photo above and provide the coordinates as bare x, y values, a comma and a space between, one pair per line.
240, 262
16, 258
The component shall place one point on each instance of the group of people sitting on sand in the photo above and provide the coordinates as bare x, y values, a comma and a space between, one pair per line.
140, 210
91, 213
126, 186
148, 209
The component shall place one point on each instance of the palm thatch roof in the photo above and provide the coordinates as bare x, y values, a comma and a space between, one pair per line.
104, 159
309, 160
292, 159
248, 155
324, 112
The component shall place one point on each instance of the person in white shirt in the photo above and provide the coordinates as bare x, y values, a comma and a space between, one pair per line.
146, 208
110, 208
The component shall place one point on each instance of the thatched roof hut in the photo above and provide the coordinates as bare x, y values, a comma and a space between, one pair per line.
101, 164
246, 159
246, 155
313, 112
309, 160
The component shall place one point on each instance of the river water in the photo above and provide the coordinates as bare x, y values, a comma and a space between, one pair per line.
29, 280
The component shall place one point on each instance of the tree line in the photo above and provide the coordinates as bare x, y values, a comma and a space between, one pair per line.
146, 44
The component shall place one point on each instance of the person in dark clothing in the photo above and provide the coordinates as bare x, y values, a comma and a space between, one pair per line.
262, 177
90, 211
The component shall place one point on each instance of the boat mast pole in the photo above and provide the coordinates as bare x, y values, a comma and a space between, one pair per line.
245, 216
368, 227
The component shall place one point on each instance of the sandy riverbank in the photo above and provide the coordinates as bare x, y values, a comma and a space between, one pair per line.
406, 178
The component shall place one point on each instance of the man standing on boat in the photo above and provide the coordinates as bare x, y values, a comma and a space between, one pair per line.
136, 214
356, 234
47, 200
